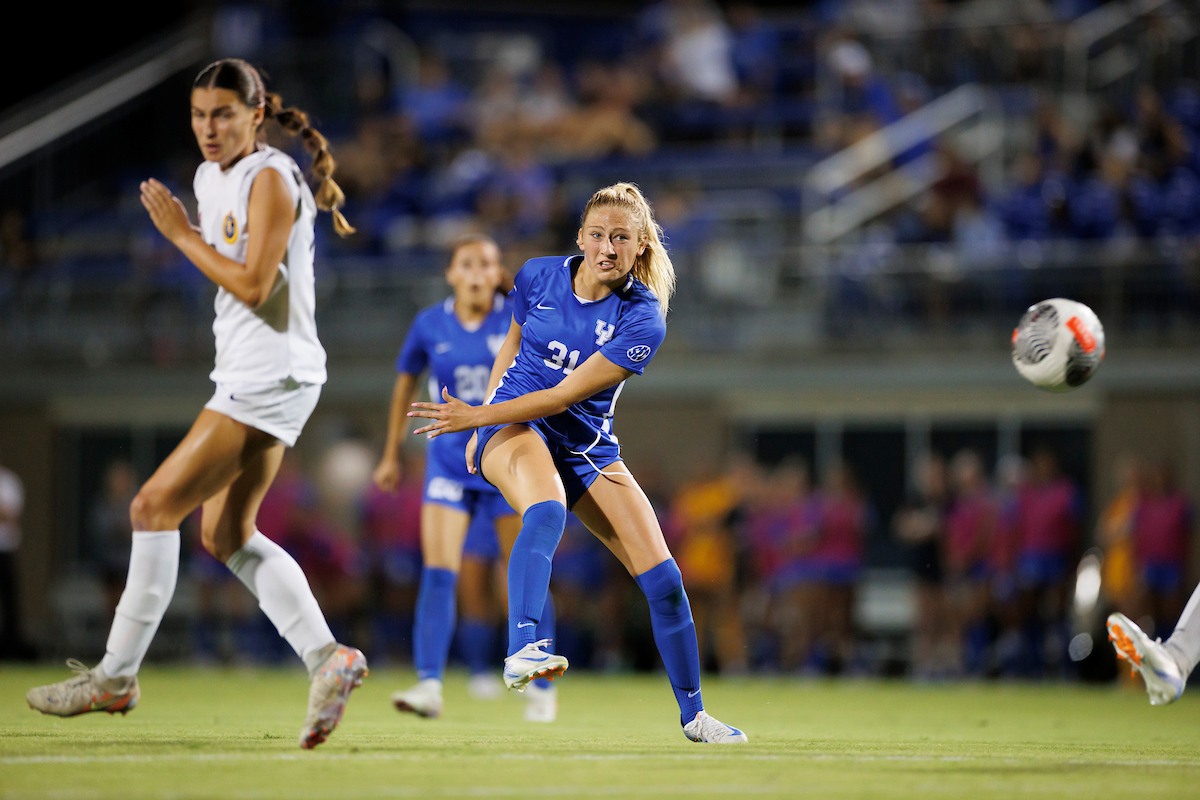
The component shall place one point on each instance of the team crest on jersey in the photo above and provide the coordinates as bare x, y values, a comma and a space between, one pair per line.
604, 332
639, 353
230, 228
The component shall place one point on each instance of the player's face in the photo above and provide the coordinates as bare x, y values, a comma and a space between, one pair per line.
475, 273
225, 127
610, 243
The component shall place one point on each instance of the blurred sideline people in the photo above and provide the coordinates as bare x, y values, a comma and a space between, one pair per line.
12, 506
1162, 527
971, 528
1049, 508
111, 532
699, 533
921, 526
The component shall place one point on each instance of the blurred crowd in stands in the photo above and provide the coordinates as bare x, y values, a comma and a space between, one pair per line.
773, 562
460, 122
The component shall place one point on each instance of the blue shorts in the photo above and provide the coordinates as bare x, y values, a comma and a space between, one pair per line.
482, 542
1163, 578
578, 464
1037, 570
448, 483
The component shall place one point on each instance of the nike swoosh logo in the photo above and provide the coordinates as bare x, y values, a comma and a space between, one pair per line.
545, 308
526, 624
693, 694
442, 347
238, 399
543, 658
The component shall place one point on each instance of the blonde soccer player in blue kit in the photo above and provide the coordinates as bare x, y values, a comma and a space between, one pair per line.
582, 326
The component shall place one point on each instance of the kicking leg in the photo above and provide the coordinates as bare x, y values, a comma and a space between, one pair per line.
617, 511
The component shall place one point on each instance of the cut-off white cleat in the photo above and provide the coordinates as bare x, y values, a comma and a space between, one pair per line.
1162, 676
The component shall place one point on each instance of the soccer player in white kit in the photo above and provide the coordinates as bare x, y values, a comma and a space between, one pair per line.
255, 241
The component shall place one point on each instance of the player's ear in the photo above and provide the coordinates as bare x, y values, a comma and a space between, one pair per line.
579, 238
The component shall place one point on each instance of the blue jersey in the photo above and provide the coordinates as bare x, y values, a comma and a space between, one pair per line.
459, 360
559, 331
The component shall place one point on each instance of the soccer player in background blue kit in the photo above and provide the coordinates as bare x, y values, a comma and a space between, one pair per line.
581, 327
461, 514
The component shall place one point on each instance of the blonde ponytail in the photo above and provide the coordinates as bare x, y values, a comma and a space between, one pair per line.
653, 267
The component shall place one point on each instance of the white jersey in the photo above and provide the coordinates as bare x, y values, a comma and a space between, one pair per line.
277, 340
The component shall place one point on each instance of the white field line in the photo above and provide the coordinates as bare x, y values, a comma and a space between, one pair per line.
707, 756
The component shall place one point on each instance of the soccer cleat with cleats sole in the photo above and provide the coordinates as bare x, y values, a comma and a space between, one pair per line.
332, 683
706, 729
424, 699
1163, 679
530, 663
88, 691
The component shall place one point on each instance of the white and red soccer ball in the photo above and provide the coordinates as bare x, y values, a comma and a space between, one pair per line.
1058, 344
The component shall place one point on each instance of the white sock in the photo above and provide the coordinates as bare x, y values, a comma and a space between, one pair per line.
153, 569
285, 597
1184, 644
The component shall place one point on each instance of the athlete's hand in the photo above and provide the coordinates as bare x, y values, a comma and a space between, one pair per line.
166, 211
449, 417
472, 443
387, 474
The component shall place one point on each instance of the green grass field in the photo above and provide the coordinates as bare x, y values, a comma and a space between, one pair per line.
232, 734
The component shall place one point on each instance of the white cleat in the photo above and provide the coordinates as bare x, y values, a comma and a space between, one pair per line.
424, 699
1163, 679
88, 691
530, 663
485, 686
542, 703
706, 729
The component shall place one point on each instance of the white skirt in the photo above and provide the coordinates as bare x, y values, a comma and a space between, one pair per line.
280, 409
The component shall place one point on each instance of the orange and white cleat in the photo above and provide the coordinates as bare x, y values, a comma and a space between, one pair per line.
332, 683
530, 663
1163, 679
89, 690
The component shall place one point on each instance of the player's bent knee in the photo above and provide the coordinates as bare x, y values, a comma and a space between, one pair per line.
148, 512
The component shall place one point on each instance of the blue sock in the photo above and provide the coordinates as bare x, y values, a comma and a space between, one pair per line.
477, 642
529, 570
434, 623
675, 634
545, 630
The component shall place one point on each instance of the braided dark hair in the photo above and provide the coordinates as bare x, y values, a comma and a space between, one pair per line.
244, 80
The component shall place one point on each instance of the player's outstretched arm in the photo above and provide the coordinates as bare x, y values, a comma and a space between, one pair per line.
387, 472
268, 224
592, 376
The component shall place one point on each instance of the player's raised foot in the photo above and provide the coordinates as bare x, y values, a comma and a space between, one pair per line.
424, 699
88, 691
1163, 679
541, 703
706, 729
532, 662
332, 683
485, 686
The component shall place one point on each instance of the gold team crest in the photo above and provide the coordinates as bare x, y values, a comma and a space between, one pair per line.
230, 228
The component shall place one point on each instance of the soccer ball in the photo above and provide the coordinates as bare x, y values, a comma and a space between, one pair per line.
1058, 344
